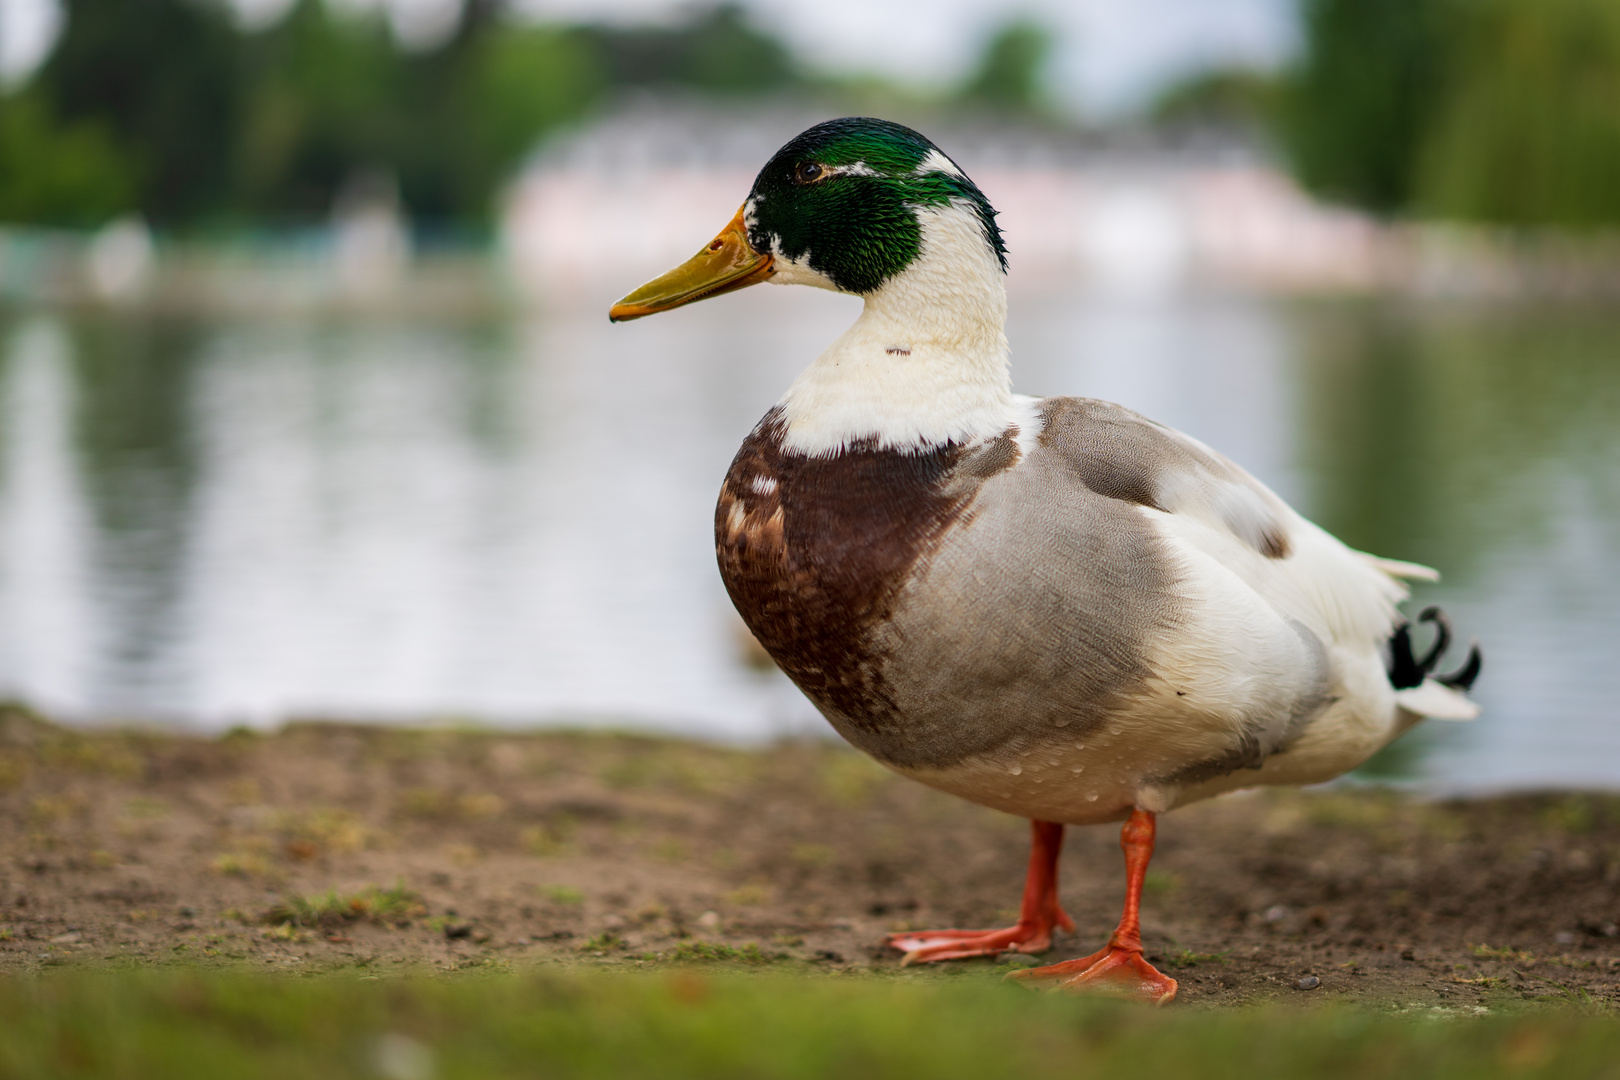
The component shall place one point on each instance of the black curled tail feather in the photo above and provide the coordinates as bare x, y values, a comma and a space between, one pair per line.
1407, 669
1463, 678
1404, 670
1442, 636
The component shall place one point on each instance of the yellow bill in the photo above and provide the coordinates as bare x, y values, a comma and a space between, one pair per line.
728, 262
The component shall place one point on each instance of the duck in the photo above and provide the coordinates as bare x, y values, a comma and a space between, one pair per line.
1054, 607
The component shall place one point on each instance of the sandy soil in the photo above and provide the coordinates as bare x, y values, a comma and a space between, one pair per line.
328, 847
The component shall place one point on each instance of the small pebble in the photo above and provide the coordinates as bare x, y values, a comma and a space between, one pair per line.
1564, 937
1309, 982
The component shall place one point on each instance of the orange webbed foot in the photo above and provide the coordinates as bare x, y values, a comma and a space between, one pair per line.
1033, 931
1118, 967
924, 946
1110, 970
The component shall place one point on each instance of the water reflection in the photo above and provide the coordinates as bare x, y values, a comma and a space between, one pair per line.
219, 522
46, 607
1486, 442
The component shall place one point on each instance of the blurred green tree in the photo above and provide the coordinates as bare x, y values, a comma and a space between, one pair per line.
1529, 130
1222, 97
320, 101
1357, 113
168, 106
716, 51
60, 174
521, 82
159, 77
1011, 70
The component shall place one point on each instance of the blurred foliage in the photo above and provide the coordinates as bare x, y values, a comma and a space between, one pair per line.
1529, 128
520, 82
160, 77
718, 52
1010, 73
1362, 102
1486, 110
1503, 111
171, 108
323, 96
72, 173
1221, 98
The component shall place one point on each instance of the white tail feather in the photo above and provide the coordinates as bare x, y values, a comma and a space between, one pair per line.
1436, 701
1395, 568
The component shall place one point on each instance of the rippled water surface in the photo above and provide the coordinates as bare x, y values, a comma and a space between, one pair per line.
216, 522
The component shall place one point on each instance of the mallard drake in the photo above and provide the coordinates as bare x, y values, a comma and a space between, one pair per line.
1054, 607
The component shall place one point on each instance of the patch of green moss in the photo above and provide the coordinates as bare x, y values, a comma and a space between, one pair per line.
391, 907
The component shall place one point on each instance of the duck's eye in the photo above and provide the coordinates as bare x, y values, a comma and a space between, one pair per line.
808, 172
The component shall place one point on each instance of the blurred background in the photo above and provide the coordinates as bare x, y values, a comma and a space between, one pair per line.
309, 406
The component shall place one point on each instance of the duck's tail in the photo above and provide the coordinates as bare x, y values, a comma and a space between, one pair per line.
1419, 688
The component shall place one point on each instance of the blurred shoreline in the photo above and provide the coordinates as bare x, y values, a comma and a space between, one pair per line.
58, 269
23, 725
53, 268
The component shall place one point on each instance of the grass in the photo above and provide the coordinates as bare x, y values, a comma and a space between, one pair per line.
1486, 952
562, 894
702, 951
327, 910
685, 1022
1186, 958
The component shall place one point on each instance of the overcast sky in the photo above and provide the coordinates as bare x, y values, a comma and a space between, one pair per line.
1110, 53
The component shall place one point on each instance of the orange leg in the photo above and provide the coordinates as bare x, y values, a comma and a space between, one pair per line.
1117, 966
1032, 934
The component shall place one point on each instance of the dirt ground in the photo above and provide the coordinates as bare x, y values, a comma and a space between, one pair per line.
336, 848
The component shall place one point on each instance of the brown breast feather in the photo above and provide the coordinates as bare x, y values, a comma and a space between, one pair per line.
814, 550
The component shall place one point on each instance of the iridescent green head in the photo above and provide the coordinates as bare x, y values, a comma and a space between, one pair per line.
845, 198
846, 205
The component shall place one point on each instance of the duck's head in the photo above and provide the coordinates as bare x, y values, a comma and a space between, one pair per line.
847, 205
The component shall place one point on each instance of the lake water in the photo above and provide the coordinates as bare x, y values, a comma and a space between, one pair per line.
508, 521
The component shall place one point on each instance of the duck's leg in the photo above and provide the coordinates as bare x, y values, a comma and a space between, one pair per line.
1033, 932
1118, 966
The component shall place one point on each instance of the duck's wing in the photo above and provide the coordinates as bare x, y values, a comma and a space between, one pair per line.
1117, 616
1230, 535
